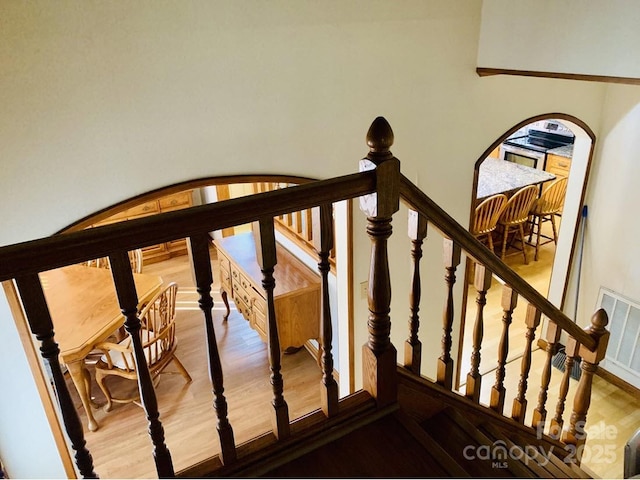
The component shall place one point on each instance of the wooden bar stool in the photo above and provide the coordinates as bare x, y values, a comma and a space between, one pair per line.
516, 214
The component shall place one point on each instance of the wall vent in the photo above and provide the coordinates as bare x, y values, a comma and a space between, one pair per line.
622, 358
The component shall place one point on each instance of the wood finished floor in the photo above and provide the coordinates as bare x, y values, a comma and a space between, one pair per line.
614, 414
121, 447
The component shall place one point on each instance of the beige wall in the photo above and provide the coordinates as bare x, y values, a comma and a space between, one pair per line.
105, 100
590, 37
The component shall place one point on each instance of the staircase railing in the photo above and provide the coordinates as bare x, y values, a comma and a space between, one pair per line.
380, 186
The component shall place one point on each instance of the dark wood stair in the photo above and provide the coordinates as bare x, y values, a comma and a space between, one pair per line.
431, 432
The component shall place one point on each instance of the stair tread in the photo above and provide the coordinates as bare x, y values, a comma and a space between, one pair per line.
463, 447
453, 468
563, 469
383, 448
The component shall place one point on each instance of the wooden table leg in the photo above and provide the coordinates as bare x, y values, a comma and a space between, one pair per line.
78, 375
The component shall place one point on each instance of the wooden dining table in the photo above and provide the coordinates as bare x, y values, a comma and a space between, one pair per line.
85, 312
500, 176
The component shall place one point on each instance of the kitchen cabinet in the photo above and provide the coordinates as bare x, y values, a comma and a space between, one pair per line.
296, 293
168, 203
558, 165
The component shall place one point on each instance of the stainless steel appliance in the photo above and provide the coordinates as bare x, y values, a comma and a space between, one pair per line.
531, 149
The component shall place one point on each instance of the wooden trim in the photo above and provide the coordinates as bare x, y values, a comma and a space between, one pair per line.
486, 72
618, 382
350, 300
39, 377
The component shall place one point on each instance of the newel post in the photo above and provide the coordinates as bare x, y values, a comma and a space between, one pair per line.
379, 356
576, 434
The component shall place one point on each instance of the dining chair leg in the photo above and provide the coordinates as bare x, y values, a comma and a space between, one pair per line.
553, 225
504, 242
183, 371
535, 257
490, 241
524, 250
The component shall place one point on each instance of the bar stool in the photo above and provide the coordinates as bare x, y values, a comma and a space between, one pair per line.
516, 214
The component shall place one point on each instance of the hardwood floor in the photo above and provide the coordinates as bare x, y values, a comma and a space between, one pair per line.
614, 414
121, 447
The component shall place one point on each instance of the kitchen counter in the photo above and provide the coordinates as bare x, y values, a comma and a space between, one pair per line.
564, 151
499, 176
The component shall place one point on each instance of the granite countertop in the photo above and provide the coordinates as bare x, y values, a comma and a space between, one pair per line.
564, 151
499, 176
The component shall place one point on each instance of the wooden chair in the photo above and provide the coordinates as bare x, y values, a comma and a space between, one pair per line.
158, 335
485, 218
516, 214
545, 208
135, 257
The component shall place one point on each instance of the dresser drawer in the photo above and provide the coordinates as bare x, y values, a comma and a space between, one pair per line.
175, 201
146, 208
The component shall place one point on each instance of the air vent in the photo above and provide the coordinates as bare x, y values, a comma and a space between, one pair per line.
623, 357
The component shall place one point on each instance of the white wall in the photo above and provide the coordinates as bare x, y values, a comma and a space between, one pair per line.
611, 257
591, 37
104, 100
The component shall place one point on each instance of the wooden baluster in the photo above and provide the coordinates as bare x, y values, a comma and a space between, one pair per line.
482, 283
308, 233
323, 243
41, 325
576, 434
379, 356
413, 346
265, 240
532, 320
201, 264
571, 350
452, 253
509, 301
128, 299
299, 222
540, 412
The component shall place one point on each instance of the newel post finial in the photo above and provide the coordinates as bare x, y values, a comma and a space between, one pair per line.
379, 356
379, 140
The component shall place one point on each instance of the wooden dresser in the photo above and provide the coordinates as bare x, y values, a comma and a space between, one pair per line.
168, 203
296, 294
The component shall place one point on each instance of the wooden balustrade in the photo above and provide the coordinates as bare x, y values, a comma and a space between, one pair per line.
509, 302
413, 345
128, 299
482, 283
265, 239
452, 253
323, 242
532, 321
201, 266
379, 185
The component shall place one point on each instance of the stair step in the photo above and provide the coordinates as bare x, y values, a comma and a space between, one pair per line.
462, 446
384, 448
529, 457
453, 468
556, 464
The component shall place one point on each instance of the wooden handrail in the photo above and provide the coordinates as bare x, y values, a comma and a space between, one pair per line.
60, 250
452, 229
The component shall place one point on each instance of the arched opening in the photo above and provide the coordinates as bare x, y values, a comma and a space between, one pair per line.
202, 191
550, 274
